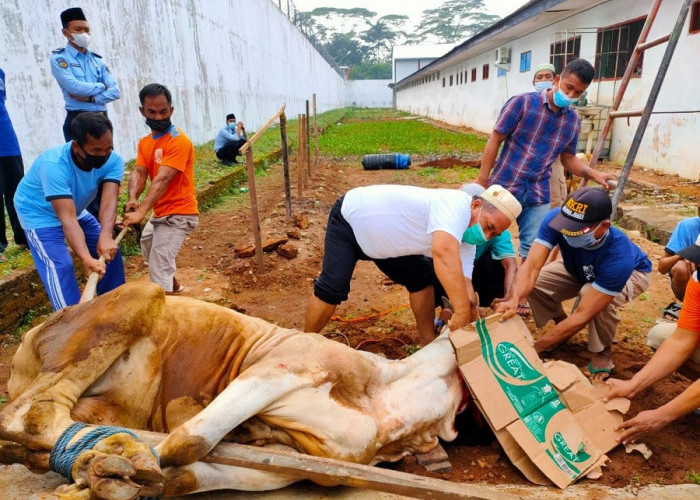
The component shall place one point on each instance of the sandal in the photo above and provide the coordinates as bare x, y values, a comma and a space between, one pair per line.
607, 371
524, 310
672, 311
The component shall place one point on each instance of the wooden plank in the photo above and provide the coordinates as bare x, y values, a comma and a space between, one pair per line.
285, 163
254, 208
331, 472
262, 129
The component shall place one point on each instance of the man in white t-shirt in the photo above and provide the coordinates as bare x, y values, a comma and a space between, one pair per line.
418, 237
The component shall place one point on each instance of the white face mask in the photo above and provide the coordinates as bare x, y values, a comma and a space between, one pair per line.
82, 40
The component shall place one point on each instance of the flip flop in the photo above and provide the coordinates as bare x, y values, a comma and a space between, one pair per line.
525, 313
593, 371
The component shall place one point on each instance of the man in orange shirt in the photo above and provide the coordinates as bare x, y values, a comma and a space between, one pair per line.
166, 157
682, 346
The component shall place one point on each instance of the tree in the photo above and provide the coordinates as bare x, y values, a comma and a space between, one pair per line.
454, 21
380, 36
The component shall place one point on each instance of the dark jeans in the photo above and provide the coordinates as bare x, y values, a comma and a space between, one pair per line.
229, 151
94, 206
487, 279
11, 172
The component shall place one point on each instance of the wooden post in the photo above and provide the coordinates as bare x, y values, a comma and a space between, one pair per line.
307, 142
300, 170
285, 162
254, 207
304, 162
315, 137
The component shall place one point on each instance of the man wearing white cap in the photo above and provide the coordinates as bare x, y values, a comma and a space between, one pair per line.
413, 235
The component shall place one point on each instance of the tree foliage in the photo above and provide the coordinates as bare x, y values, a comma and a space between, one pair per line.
454, 21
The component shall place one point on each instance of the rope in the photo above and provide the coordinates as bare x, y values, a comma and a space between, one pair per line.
62, 456
363, 318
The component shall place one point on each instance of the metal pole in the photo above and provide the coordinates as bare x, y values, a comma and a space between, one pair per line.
254, 208
285, 162
656, 87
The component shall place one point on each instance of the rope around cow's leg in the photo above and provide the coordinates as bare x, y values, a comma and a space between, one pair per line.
62, 456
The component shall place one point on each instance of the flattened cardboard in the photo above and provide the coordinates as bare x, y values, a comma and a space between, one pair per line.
548, 417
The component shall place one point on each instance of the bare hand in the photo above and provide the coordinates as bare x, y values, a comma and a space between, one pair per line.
508, 308
644, 422
106, 247
602, 178
131, 205
495, 302
93, 265
134, 217
619, 389
458, 320
79, 98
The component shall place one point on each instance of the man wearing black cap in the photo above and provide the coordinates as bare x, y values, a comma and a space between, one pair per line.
85, 80
600, 266
229, 140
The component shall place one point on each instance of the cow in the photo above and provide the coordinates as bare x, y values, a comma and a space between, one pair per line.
203, 373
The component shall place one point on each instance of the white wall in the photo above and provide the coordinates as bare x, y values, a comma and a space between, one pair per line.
216, 57
369, 93
405, 67
669, 142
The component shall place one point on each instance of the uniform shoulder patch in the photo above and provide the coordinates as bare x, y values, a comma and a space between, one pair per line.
62, 63
58, 51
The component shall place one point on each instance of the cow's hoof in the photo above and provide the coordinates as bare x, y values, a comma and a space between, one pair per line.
119, 467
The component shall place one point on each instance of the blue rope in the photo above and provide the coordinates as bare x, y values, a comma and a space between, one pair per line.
62, 456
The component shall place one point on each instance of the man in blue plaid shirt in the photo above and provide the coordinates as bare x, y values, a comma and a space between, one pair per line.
536, 128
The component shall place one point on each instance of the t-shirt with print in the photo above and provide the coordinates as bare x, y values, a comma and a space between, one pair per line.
394, 221
689, 318
174, 149
684, 235
54, 175
607, 266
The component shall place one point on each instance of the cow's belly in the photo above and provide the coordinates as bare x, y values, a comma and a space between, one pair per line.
319, 425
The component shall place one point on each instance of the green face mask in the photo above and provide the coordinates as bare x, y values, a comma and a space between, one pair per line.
474, 235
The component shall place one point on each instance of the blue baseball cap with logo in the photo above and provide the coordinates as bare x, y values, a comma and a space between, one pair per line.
583, 209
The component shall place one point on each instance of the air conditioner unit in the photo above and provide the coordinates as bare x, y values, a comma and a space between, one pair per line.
502, 55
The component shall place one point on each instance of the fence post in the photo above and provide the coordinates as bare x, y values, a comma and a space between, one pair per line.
300, 169
307, 142
250, 166
285, 163
315, 137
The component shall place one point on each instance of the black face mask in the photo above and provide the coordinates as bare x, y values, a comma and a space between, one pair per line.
159, 125
88, 162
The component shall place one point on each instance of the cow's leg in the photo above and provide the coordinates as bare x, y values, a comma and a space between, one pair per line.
249, 394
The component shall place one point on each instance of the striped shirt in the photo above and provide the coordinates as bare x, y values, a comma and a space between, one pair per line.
535, 137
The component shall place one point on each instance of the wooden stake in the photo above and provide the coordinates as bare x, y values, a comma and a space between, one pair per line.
285, 163
254, 207
307, 141
91, 286
303, 152
315, 137
300, 170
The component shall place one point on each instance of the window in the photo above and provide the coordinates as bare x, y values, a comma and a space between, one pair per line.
563, 52
525, 61
466, 76
614, 48
694, 26
501, 72
485, 72
450, 80
473, 74
443, 81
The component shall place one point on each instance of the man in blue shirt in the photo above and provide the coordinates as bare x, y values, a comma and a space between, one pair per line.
229, 140
11, 172
51, 200
679, 269
600, 266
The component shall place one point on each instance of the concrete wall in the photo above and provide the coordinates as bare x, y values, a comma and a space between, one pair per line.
669, 141
369, 93
216, 57
404, 67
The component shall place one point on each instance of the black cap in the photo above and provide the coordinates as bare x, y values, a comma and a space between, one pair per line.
583, 209
692, 252
230, 116
72, 14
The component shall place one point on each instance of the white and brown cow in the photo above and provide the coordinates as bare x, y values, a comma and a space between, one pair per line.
203, 373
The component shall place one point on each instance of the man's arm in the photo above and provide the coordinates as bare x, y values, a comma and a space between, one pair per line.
488, 159
158, 186
525, 279
577, 167
137, 183
111, 92
67, 81
65, 210
510, 269
591, 304
667, 262
106, 246
448, 268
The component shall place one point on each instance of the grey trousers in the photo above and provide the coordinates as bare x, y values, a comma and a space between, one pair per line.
161, 240
555, 285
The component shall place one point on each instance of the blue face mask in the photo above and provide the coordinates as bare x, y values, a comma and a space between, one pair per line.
562, 100
231, 125
474, 235
542, 85
584, 241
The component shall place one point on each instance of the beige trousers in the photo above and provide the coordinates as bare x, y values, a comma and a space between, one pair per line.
555, 285
160, 242
662, 330
557, 185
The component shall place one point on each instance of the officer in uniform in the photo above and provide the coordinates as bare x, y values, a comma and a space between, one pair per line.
84, 78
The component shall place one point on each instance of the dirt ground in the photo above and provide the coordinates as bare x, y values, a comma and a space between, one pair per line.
209, 270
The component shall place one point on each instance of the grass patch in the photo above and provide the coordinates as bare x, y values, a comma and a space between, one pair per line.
693, 477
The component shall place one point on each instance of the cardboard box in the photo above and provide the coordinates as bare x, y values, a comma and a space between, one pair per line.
548, 417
